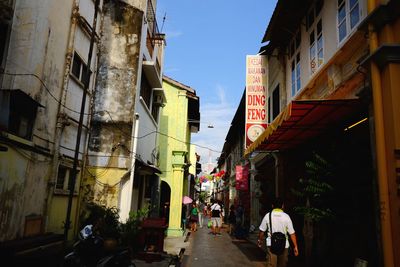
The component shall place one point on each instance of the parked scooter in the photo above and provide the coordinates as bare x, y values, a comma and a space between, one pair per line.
89, 251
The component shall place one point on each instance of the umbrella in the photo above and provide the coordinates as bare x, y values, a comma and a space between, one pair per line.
186, 200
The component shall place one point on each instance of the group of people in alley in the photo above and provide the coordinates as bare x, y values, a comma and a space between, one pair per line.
274, 222
213, 212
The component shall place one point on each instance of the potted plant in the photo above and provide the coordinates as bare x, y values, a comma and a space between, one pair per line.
130, 230
312, 191
105, 221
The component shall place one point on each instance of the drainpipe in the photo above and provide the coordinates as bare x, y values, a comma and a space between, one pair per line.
135, 131
72, 181
276, 159
61, 120
385, 216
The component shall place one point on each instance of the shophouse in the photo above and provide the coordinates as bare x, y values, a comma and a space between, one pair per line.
179, 118
330, 117
123, 152
232, 156
47, 65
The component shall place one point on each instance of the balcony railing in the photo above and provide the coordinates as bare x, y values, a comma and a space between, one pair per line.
153, 31
154, 37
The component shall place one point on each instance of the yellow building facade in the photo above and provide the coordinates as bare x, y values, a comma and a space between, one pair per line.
178, 119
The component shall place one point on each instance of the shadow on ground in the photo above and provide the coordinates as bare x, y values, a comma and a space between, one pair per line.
250, 250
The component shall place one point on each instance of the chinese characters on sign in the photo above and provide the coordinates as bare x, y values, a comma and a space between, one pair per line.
256, 97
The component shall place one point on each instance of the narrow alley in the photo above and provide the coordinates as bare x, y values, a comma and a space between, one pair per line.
206, 249
125, 123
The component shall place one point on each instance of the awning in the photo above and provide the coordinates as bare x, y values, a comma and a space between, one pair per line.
142, 168
146, 168
151, 71
302, 120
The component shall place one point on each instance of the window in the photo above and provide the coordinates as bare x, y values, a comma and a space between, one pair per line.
313, 14
348, 17
314, 29
63, 178
18, 113
95, 137
79, 70
316, 47
295, 74
155, 108
295, 44
145, 90
294, 58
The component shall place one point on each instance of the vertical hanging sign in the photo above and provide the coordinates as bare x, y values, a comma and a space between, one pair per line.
256, 97
242, 175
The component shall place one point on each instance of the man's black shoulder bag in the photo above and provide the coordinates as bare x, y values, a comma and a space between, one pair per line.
278, 239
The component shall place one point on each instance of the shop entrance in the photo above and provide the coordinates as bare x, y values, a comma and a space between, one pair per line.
351, 236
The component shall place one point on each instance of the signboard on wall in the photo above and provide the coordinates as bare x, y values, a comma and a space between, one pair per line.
242, 177
256, 97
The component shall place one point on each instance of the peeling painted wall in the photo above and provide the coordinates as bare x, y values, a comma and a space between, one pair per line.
22, 187
118, 62
114, 101
36, 48
36, 60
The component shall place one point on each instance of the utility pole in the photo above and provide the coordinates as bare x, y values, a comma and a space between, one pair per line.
72, 180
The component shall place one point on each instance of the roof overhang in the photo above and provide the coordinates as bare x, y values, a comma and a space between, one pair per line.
380, 16
142, 168
146, 168
18, 93
302, 120
285, 21
152, 75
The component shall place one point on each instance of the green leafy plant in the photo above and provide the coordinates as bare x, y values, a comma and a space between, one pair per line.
203, 196
314, 188
312, 191
105, 219
131, 228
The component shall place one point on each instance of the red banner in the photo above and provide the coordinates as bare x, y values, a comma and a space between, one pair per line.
242, 177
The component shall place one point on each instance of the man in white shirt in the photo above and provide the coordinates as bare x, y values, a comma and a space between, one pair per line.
216, 217
281, 222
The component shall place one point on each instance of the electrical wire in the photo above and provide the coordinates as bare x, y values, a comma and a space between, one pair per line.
46, 88
107, 112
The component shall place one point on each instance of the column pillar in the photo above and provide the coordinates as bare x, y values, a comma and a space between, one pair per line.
175, 213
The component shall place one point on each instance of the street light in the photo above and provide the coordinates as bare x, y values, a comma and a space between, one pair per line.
209, 125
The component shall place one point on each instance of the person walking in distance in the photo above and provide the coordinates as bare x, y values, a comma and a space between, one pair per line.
201, 213
194, 217
280, 222
216, 218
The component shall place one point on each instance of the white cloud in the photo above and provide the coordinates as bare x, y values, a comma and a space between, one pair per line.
173, 34
219, 113
169, 70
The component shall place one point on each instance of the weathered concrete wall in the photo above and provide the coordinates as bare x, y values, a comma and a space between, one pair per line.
118, 64
114, 102
39, 50
22, 188
36, 48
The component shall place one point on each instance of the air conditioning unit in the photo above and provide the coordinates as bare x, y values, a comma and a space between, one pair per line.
158, 100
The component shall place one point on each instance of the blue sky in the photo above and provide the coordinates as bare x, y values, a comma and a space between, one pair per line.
207, 44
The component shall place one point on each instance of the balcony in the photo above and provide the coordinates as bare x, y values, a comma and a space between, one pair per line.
155, 40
